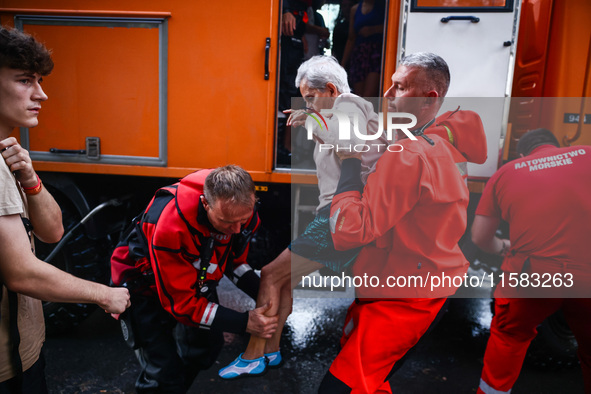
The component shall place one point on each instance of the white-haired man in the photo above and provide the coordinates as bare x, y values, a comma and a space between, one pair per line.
323, 84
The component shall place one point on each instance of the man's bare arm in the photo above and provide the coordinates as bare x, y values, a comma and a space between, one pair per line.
23, 273
484, 230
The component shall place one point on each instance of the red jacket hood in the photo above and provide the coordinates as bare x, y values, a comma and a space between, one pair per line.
464, 130
190, 189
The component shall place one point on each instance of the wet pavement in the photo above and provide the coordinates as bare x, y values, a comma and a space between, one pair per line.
92, 358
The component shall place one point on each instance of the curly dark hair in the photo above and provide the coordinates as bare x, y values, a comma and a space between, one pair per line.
21, 51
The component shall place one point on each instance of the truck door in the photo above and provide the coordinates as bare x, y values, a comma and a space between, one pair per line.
154, 88
477, 39
98, 110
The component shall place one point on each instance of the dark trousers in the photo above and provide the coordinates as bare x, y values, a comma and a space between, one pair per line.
33, 381
171, 354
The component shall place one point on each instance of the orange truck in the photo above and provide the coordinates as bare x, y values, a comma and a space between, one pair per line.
145, 92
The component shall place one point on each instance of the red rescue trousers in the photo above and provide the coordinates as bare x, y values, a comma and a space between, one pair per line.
513, 328
376, 335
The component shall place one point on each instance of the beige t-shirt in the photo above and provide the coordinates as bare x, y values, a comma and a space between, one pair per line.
31, 325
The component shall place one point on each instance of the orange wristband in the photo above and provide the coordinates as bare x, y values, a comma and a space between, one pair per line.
31, 191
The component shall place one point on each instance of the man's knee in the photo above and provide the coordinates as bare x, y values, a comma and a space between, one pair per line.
277, 271
514, 331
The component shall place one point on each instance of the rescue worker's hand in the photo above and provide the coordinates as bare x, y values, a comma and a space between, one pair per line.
116, 300
261, 325
18, 160
505, 247
288, 24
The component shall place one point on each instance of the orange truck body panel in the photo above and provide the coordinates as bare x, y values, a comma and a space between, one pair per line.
553, 60
198, 98
218, 106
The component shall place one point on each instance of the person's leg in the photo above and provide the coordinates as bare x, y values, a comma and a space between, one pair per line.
275, 288
376, 336
34, 378
577, 312
371, 85
274, 277
359, 87
285, 308
512, 329
277, 280
330, 384
32, 382
384, 388
198, 348
155, 347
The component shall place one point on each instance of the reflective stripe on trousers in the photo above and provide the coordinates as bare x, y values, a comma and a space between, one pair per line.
486, 389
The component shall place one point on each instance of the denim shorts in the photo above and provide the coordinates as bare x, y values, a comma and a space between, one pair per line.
315, 244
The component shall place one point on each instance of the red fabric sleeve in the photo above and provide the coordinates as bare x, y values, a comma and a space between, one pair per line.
389, 194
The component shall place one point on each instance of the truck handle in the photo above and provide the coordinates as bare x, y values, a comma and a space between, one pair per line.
472, 19
267, 49
68, 151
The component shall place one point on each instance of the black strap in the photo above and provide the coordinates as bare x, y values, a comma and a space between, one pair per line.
236, 246
15, 339
420, 132
239, 243
206, 253
28, 226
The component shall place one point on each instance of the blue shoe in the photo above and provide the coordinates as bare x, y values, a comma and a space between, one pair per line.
242, 368
275, 359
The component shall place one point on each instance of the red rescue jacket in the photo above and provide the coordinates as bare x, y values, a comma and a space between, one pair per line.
411, 215
167, 245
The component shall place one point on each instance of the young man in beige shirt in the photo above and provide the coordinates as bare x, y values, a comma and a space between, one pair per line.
24, 279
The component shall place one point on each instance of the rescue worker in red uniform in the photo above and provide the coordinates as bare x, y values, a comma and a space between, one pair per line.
544, 196
410, 217
190, 235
